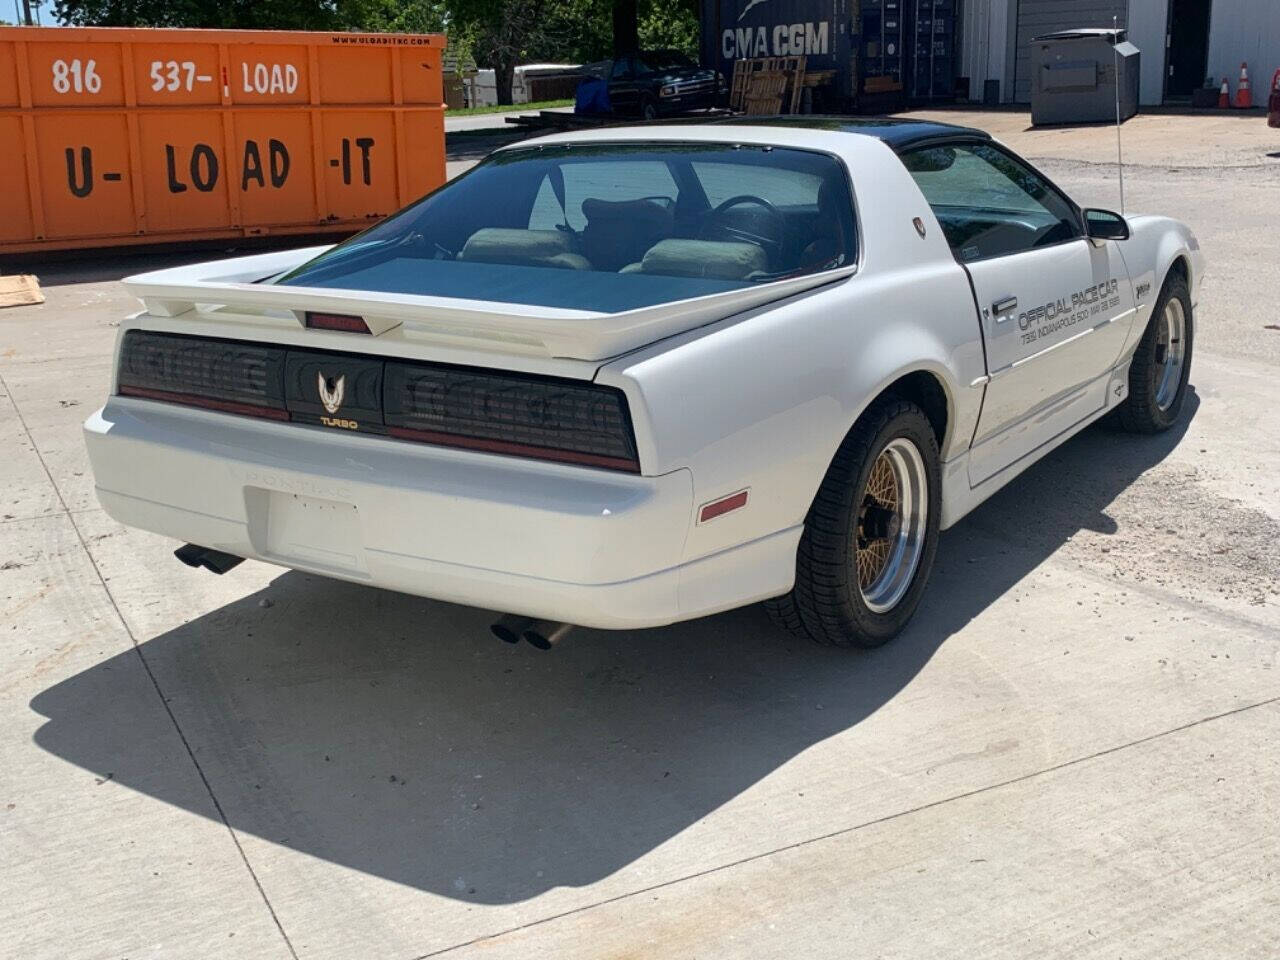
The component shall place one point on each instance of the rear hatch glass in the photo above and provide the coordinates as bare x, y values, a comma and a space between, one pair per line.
606, 227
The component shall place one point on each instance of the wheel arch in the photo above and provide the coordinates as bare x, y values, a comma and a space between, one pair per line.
1159, 248
928, 391
926, 386
928, 383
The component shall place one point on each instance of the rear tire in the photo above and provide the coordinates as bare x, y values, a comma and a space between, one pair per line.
871, 534
1161, 364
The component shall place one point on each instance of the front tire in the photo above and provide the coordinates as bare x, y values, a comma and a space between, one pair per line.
871, 534
1161, 364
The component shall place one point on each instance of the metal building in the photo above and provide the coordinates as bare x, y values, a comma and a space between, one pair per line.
892, 53
882, 54
1183, 42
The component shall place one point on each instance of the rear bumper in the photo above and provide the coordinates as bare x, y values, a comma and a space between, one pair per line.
589, 547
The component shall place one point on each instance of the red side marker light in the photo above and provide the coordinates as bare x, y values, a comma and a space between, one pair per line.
337, 321
718, 508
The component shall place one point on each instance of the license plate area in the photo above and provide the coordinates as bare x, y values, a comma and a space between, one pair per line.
305, 531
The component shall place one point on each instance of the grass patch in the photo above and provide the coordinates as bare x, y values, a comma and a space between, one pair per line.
540, 105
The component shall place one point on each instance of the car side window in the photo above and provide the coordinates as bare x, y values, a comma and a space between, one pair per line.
989, 204
621, 69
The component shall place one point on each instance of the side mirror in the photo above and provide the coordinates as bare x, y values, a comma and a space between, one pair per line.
1105, 225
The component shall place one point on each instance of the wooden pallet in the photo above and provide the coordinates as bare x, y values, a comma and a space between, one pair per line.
793, 68
755, 85
738, 84
763, 96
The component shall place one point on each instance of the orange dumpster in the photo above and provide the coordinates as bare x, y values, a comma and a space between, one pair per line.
117, 136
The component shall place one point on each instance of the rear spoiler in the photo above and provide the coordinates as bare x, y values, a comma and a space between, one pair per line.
235, 287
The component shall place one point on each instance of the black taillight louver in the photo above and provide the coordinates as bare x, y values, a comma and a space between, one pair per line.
232, 376
543, 417
496, 411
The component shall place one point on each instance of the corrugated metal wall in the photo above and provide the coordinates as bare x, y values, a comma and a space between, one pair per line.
1036, 17
1147, 20
1248, 31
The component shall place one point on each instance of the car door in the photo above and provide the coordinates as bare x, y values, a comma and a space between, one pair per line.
624, 97
1055, 307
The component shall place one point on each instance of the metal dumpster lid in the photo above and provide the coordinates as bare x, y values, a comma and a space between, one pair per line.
1081, 33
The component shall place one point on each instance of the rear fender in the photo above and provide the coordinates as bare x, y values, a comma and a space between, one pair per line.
762, 402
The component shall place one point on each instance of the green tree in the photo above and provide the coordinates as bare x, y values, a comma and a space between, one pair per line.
670, 25
499, 34
268, 14
237, 14
403, 16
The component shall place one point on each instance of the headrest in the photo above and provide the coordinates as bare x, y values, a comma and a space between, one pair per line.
489, 243
650, 210
527, 248
721, 260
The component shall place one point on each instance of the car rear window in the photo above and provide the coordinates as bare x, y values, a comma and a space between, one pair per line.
606, 227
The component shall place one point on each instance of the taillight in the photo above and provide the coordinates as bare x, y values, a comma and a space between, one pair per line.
520, 415
540, 417
230, 376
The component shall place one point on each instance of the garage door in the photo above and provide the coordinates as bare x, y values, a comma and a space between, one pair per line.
1037, 17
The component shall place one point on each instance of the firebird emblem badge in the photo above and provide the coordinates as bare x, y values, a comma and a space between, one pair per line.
332, 399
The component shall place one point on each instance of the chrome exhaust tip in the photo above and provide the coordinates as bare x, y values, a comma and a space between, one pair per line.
509, 627
545, 634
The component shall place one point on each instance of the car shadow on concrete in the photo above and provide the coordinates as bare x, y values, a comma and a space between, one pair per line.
395, 736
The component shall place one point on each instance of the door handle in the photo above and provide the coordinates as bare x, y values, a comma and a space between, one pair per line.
1003, 305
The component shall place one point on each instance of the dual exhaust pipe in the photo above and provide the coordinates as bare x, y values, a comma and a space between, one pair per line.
543, 634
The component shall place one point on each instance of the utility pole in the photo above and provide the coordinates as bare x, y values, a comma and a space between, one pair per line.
26, 13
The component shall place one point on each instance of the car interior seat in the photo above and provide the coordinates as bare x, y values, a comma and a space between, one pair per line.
618, 232
715, 259
525, 248
834, 225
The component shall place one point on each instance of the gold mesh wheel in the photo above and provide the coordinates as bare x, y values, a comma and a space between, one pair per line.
891, 524
881, 494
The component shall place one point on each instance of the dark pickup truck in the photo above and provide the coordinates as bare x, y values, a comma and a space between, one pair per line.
657, 83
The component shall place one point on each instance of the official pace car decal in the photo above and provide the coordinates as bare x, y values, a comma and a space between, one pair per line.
1046, 320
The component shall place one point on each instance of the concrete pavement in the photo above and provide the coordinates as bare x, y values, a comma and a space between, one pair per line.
1070, 753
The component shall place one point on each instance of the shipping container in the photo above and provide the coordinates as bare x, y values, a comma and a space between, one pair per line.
885, 53
118, 136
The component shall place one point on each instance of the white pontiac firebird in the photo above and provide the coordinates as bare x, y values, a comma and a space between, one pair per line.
628, 377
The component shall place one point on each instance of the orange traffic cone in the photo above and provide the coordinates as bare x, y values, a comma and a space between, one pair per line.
1244, 99
1224, 96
